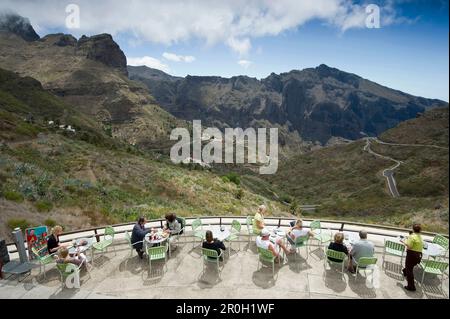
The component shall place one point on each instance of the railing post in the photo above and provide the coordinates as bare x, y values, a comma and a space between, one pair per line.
97, 236
279, 222
342, 227
161, 223
220, 221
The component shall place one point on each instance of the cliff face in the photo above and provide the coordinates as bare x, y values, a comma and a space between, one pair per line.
315, 103
18, 25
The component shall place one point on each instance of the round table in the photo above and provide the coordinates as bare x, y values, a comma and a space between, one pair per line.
218, 232
160, 238
432, 250
82, 248
276, 234
350, 238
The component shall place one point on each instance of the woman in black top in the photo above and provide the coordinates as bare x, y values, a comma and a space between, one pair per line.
338, 245
53, 240
213, 243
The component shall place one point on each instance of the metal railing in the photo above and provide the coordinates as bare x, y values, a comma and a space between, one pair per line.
336, 225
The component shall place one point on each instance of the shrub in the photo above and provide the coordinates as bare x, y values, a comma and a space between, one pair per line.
239, 193
44, 206
14, 223
50, 222
232, 177
14, 196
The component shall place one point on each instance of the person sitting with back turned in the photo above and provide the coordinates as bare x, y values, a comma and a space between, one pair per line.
258, 220
263, 241
362, 248
414, 247
64, 257
338, 245
213, 243
138, 235
298, 231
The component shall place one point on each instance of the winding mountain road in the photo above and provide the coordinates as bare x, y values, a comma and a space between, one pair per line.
388, 172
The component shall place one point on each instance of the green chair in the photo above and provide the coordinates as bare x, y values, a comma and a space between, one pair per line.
338, 255
320, 236
393, 248
235, 234
266, 255
364, 262
107, 241
131, 245
67, 269
211, 255
183, 228
299, 242
249, 222
43, 260
197, 231
156, 253
433, 267
441, 241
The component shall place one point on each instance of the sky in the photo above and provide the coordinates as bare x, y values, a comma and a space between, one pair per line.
409, 51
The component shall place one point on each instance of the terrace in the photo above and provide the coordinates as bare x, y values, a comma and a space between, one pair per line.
117, 275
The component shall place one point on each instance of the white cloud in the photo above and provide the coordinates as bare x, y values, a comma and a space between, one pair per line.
148, 61
245, 63
234, 23
178, 58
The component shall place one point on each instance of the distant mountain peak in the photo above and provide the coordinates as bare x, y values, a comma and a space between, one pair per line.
18, 25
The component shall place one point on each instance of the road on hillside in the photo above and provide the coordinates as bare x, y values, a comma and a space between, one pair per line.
387, 173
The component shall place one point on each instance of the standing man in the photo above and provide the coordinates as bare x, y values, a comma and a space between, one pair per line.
414, 246
138, 235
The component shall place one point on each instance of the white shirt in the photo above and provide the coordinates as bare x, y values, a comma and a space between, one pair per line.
299, 232
265, 243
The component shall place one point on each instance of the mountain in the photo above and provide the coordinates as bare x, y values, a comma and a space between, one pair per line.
90, 74
51, 175
12, 23
348, 182
316, 104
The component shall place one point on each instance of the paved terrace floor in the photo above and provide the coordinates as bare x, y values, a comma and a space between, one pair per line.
121, 276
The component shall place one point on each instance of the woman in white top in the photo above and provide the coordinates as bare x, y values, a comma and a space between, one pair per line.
298, 231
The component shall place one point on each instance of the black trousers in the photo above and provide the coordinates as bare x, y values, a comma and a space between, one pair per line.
413, 258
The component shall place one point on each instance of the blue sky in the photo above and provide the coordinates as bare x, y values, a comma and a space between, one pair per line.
409, 51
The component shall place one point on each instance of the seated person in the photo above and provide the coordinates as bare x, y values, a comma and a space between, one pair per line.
258, 220
362, 248
53, 243
64, 257
338, 245
138, 235
173, 226
298, 231
263, 241
213, 243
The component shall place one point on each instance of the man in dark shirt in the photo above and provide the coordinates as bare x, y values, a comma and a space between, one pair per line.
138, 235
213, 243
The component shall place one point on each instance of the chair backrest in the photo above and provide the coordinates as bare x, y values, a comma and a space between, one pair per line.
338, 255
182, 221
249, 222
441, 241
109, 233
436, 265
66, 268
366, 261
210, 253
265, 254
196, 224
128, 237
36, 253
315, 225
157, 252
300, 240
236, 226
394, 245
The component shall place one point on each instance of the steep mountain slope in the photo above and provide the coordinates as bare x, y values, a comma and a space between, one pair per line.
79, 179
90, 73
316, 104
347, 181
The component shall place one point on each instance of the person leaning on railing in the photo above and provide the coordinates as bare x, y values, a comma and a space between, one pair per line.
138, 235
414, 247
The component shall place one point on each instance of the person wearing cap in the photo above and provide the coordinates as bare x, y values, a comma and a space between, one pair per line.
258, 220
414, 247
263, 241
362, 248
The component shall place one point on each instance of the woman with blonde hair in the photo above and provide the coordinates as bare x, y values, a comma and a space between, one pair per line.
53, 243
258, 220
338, 245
